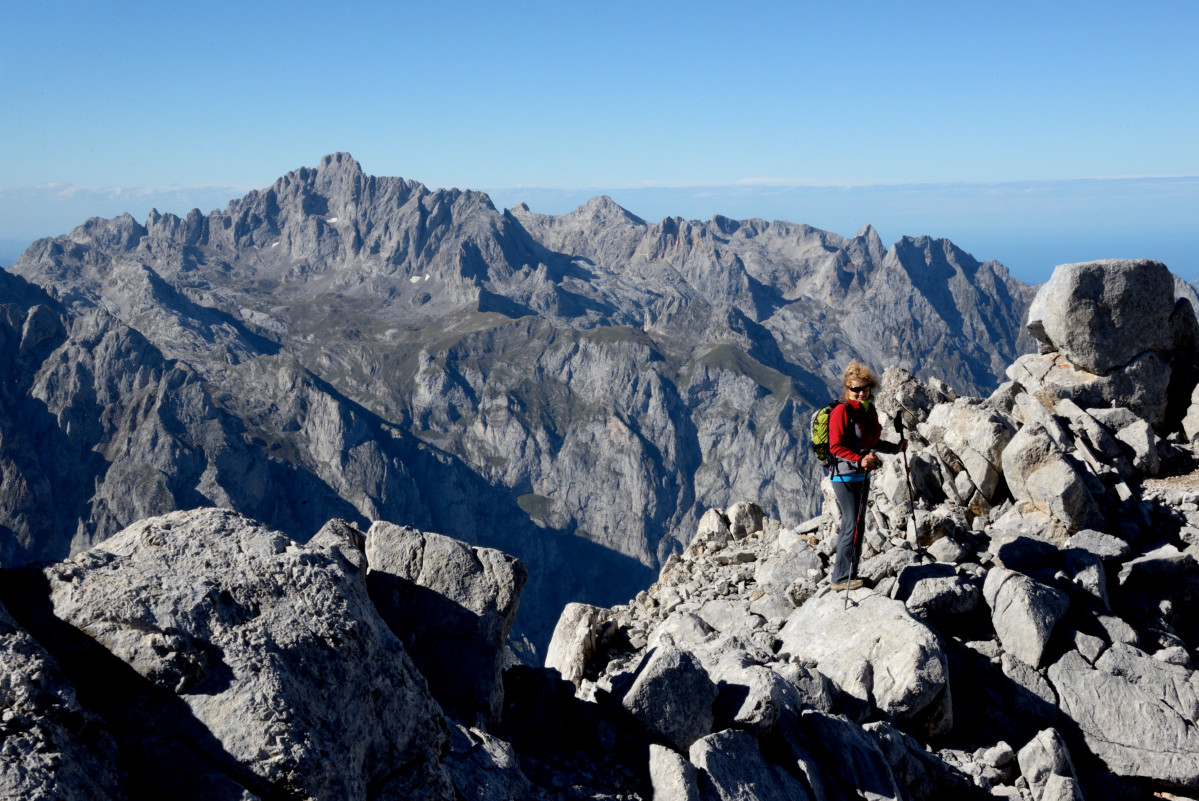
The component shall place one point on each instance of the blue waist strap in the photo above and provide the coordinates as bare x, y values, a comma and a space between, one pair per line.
850, 477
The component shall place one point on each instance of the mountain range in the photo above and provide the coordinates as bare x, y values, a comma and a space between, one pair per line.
576, 390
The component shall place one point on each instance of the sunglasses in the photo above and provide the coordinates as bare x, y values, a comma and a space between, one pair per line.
860, 389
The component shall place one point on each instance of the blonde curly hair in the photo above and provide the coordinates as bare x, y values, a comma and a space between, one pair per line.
859, 374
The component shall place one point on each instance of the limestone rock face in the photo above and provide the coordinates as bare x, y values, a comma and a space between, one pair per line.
876, 651
1103, 314
275, 649
452, 606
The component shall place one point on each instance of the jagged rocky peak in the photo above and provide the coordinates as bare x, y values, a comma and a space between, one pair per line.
603, 210
120, 234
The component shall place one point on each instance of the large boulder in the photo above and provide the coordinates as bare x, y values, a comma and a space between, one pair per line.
1103, 314
1039, 473
1141, 442
484, 767
853, 756
921, 772
876, 651
452, 605
673, 777
672, 697
731, 767
265, 656
1024, 612
1044, 757
1190, 423
574, 640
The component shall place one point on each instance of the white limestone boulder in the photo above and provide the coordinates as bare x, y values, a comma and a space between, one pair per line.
574, 640
1043, 758
1024, 612
275, 649
1126, 721
876, 651
731, 767
1037, 472
452, 605
672, 777
672, 697
1104, 314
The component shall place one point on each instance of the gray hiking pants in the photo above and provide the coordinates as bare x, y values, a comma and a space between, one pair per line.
851, 497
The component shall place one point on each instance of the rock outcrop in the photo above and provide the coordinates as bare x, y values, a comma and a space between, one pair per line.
452, 606
260, 665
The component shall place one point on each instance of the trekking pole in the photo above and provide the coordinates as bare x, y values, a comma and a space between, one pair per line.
907, 473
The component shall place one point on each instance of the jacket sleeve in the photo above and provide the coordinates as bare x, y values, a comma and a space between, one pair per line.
882, 446
874, 439
838, 421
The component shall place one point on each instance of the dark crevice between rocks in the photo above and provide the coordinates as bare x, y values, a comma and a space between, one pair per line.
563, 742
164, 751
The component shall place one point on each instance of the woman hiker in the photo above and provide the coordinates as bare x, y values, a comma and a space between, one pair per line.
853, 439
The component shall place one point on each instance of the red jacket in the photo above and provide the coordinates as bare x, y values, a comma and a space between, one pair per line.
848, 441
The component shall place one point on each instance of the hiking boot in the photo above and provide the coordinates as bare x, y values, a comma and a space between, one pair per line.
853, 584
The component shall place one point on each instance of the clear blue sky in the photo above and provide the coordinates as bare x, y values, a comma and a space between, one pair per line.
1030, 132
